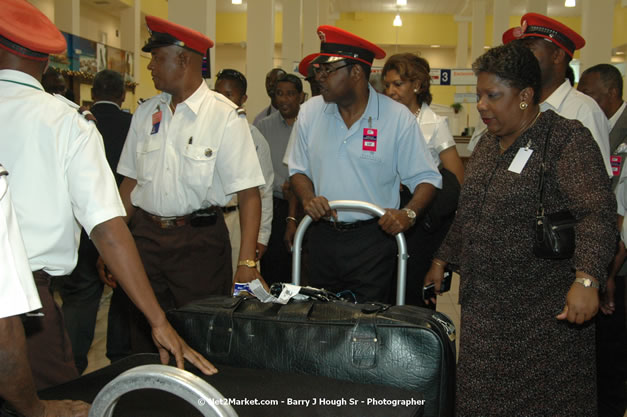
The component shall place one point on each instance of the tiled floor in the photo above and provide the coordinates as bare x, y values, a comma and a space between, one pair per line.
447, 303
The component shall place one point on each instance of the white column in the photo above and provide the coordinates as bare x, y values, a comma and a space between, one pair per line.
323, 12
598, 36
537, 6
199, 15
478, 28
458, 120
130, 31
259, 53
311, 42
291, 51
67, 16
500, 22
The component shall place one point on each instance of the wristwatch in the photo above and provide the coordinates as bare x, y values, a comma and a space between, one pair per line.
247, 262
587, 282
411, 214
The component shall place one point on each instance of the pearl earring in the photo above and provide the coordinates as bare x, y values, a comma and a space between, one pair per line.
523, 105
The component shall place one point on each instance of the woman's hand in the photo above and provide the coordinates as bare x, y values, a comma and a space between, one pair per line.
582, 304
435, 275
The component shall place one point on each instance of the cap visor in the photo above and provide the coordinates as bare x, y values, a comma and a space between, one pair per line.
323, 59
155, 44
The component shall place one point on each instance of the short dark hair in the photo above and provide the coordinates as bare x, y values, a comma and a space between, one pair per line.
610, 75
513, 63
108, 85
411, 67
235, 75
291, 78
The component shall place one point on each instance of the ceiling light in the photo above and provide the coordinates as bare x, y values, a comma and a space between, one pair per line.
236, 1
401, 2
570, 3
435, 46
397, 21
620, 53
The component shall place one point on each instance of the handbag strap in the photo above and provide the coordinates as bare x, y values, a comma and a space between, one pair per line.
540, 211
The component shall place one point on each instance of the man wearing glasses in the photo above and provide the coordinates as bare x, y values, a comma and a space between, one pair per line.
355, 144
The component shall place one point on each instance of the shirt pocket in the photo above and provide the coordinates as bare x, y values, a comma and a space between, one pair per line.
198, 165
147, 160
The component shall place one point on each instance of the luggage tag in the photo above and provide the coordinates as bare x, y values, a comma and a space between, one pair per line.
615, 162
156, 120
520, 160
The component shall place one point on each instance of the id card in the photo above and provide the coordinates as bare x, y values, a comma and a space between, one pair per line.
520, 160
369, 140
156, 121
615, 161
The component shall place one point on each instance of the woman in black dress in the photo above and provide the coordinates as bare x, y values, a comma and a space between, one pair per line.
527, 341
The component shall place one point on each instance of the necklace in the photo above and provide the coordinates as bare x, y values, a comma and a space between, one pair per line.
504, 148
417, 112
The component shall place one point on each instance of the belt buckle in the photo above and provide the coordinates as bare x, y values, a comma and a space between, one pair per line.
167, 222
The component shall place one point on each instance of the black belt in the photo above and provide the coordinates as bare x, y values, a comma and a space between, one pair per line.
229, 209
178, 221
347, 225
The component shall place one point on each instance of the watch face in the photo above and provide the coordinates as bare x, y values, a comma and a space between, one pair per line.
587, 282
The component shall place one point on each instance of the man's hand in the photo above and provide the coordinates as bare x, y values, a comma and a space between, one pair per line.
168, 341
104, 274
288, 237
246, 274
607, 298
64, 408
318, 207
394, 222
581, 304
261, 249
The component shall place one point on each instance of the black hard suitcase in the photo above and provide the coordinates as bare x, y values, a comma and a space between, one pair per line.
406, 347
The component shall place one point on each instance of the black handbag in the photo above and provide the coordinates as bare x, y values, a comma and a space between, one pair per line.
555, 232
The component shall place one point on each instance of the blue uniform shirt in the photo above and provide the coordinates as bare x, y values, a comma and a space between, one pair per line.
367, 161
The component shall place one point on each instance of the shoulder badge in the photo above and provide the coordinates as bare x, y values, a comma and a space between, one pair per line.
241, 111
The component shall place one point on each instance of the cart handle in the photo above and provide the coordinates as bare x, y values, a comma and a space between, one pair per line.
181, 383
353, 205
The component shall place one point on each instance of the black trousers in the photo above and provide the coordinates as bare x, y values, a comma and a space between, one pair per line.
276, 264
359, 260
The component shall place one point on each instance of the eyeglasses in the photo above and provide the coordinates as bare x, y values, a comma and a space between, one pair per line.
320, 71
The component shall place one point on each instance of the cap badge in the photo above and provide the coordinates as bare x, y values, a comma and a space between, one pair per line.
322, 36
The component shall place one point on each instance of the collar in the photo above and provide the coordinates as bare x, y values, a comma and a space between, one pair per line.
372, 108
20, 78
426, 115
194, 101
106, 102
558, 96
612, 121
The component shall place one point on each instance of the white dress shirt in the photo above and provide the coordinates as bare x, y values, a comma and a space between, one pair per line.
18, 293
59, 176
572, 104
195, 158
436, 132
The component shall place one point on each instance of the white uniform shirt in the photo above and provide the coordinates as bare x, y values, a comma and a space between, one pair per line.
59, 175
192, 159
612, 120
345, 164
263, 153
572, 104
18, 293
436, 132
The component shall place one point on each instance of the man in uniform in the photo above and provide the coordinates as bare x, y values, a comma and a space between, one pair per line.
352, 143
187, 153
553, 44
59, 175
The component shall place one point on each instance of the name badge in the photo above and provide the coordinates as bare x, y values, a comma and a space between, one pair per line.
520, 160
369, 140
615, 162
156, 121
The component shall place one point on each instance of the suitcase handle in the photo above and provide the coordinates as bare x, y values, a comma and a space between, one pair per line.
202, 395
353, 205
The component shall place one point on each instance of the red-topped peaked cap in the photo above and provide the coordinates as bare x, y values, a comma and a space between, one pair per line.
305, 66
27, 32
534, 25
165, 33
337, 44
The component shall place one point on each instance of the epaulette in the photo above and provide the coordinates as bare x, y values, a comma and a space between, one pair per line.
241, 111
